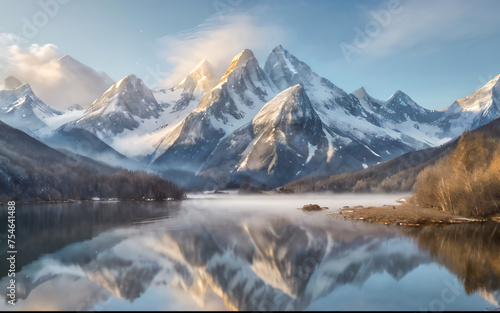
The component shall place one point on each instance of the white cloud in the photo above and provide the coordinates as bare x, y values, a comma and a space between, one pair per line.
37, 64
218, 42
428, 24
59, 84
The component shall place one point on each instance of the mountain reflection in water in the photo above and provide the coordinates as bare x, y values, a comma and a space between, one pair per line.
123, 256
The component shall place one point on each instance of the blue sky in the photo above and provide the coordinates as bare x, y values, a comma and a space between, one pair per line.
435, 51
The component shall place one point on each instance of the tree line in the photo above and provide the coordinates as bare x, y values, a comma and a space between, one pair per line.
50, 180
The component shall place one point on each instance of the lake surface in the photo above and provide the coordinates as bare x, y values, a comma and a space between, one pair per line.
259, 253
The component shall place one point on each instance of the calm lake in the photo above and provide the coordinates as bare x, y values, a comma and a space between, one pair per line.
258, 253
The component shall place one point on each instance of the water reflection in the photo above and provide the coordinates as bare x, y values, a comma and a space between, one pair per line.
239, 261
470, 251
43, 229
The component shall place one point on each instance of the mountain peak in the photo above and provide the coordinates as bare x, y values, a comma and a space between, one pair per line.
12, 82
24, 88
71, 62
279, 48
130, 79
361, 93
402, 99
292, 103
200, 78
285, 70
399, 93
130, 87
401, 96
203, 65
67, 58
483, 97
243, 57
296, 90
238, 61
120, 108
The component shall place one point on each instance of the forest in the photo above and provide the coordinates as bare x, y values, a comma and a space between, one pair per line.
32, 171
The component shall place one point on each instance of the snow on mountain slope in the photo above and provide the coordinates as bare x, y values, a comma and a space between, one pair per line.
275, 145
239, 95
403, 119
176, 103
222, 136
473, 111
286, 140
369, 103
344, 113
127, 105
285, 70
186, 96
22, 109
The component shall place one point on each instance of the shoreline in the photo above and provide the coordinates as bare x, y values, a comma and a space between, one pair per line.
406, 214
82, 201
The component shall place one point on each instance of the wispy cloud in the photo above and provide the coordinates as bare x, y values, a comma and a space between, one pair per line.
218, 41
428, 24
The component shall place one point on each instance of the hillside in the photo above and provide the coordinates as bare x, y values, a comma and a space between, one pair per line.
30, 171
396, 175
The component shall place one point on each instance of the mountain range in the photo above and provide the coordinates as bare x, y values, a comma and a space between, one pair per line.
265, 126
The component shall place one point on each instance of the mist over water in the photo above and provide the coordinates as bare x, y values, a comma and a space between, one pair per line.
247, 252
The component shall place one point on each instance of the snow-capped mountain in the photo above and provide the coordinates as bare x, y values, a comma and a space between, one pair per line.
133, 119
186, 96
397, 109
180, 101
403, 119
285, 70
286, 140
473, 111
267, 126
369, 103
223, 136
237, 98
127, 105
357, 116
22, 109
